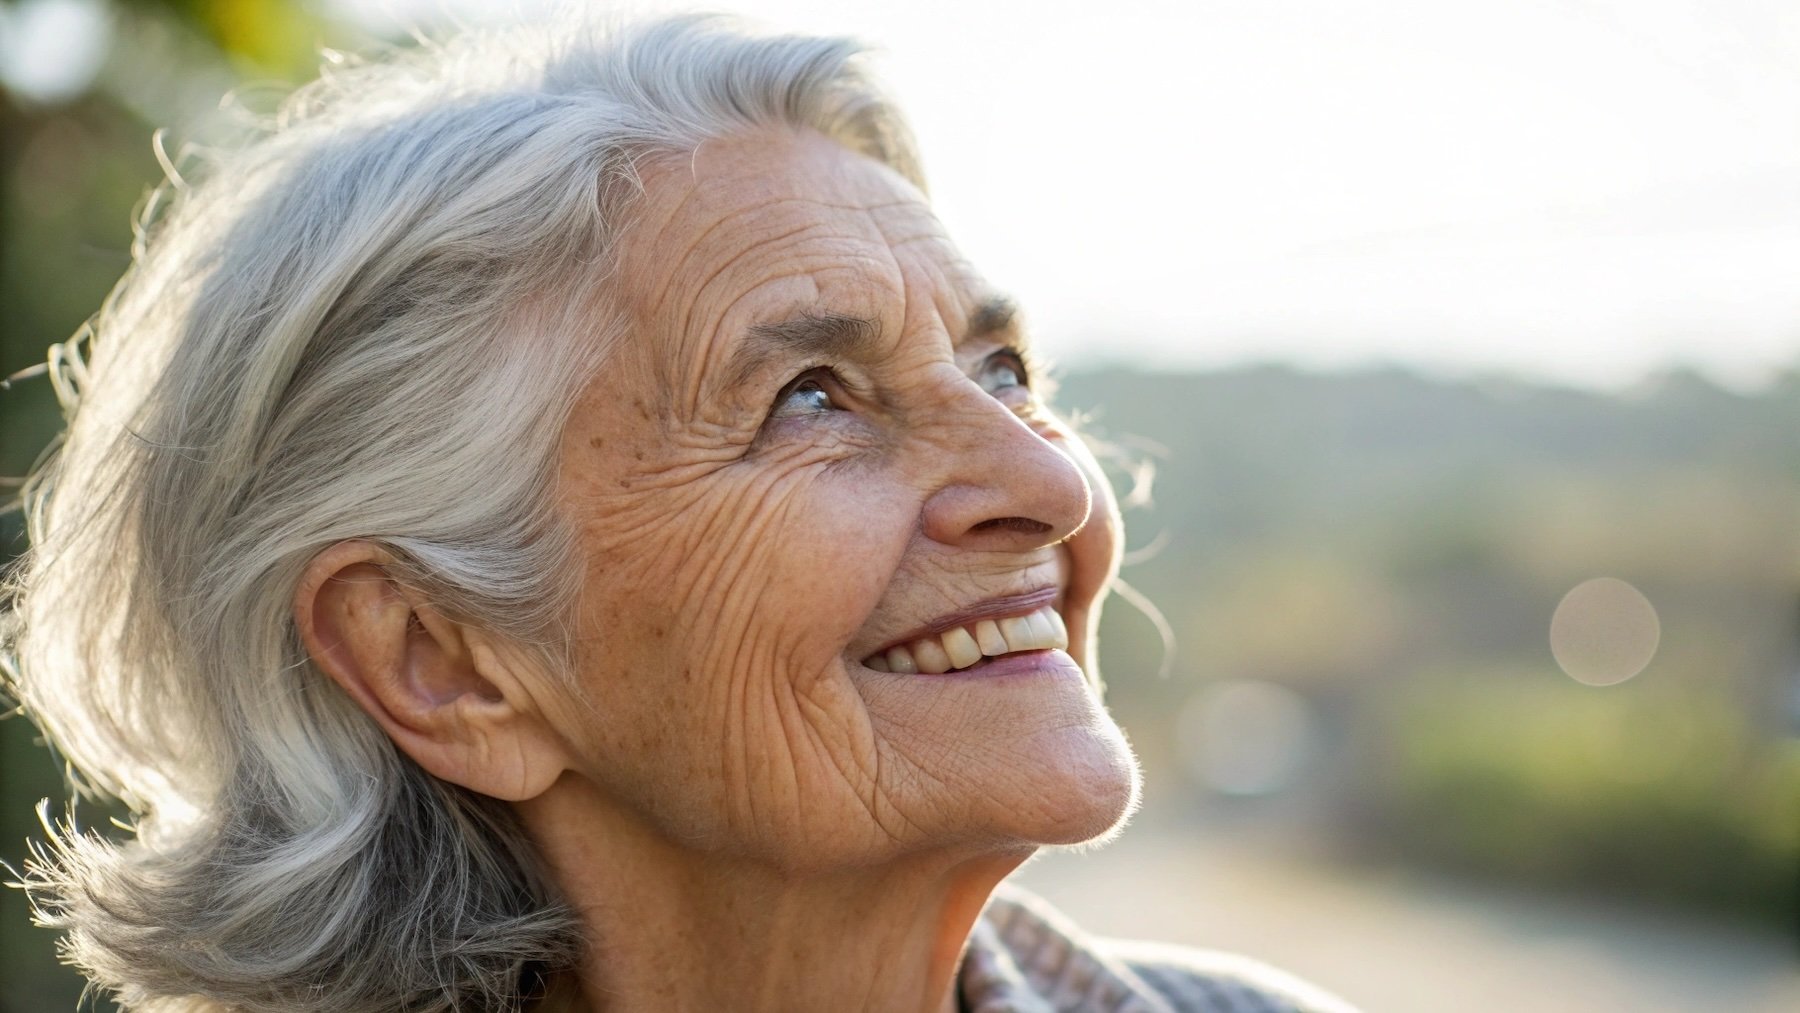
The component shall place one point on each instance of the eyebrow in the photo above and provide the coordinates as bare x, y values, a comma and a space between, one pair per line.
995, 314
812, 335
820, 335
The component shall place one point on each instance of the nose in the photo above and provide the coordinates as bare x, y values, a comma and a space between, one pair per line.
1002, 485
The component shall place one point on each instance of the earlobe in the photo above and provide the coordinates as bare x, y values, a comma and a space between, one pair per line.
462, 710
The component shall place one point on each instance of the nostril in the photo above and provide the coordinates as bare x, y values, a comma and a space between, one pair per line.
1024, 525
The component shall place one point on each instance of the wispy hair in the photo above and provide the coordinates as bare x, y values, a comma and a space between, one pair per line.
370, 320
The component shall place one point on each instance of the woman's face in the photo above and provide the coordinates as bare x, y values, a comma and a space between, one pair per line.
819, 442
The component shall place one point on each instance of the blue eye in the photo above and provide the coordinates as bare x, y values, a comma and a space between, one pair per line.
805, 395
1002, 371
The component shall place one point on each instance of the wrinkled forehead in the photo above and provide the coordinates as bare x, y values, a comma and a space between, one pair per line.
767, 225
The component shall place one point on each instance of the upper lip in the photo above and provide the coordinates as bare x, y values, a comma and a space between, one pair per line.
1003, 607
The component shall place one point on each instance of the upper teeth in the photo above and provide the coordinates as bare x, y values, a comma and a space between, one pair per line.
963, 646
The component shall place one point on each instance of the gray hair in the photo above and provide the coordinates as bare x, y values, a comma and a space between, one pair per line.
368, 322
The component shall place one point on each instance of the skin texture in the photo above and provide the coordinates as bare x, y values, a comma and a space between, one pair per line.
747, 817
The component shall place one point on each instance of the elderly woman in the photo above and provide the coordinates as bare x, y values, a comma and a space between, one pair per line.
557, 525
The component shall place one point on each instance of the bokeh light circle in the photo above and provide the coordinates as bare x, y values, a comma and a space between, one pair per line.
1604, 632
1246, 737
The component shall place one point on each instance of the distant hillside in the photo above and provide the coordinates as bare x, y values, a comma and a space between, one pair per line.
1252, 449
1391, 548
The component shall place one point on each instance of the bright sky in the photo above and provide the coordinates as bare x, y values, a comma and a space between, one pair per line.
1578, 190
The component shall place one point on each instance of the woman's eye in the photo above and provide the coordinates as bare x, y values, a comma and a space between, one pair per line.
806, 394
1001, 371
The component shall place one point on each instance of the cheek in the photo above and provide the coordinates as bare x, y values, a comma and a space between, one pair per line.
716, 616
801, 584
800, 553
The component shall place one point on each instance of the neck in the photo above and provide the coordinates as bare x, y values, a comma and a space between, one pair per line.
674, 928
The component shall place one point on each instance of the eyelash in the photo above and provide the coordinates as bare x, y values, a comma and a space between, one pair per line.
811, 373
1027, 360
1022, 357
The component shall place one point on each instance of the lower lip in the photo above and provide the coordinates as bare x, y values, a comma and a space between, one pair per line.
1018, 664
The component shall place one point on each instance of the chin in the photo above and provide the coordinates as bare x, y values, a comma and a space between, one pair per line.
1085, 785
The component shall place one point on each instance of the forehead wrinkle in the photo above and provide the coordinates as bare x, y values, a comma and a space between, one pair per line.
951, 276
952, 284
708, 338
689, 194
907, 202
868, 257
812, 271
906, 223
912, 203
697, 348
942, 285
927, 231
818, 327
693, 247
673, 274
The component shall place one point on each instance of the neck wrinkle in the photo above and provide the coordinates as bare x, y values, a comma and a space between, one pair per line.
676, 928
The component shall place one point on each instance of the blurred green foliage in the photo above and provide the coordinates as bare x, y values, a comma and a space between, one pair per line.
1655, 796
1393, 547
72, 173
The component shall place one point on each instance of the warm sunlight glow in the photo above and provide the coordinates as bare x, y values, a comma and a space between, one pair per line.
1576, 191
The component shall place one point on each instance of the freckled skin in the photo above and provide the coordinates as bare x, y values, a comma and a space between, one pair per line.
746, 817
816, 439
739, 569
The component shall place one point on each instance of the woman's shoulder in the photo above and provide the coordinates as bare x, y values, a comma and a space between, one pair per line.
1026, 957
1195, 979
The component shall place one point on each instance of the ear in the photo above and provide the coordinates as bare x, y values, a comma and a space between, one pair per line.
443, 692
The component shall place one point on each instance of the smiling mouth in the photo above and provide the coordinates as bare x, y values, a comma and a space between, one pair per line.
965, 646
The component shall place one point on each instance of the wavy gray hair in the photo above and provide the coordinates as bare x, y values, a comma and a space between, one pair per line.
369, 322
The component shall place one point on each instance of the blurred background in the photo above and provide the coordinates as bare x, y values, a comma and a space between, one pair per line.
1465, 341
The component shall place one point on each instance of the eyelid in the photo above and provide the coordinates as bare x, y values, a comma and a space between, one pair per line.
845, 394
1028, 366
798, 378
794, 383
